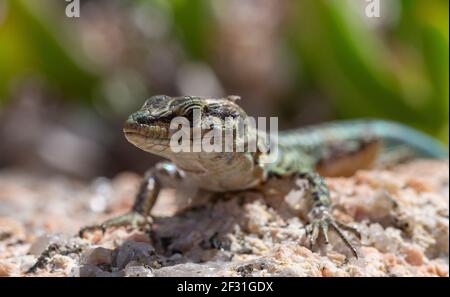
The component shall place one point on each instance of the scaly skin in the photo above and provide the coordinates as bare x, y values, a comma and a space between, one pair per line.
338, 148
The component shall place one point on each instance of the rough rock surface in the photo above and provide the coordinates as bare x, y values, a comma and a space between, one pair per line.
402, 214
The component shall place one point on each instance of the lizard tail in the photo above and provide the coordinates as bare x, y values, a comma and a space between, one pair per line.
395, 137
398, 137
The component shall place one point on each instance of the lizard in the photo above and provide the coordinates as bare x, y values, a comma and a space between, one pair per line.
331, 149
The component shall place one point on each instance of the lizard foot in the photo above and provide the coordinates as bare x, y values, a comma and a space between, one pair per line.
321, 221
132, 219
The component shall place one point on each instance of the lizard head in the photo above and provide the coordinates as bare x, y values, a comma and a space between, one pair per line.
149, 128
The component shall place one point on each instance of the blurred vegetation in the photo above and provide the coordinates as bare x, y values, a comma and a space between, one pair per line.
28, 45
400, 73
305, 61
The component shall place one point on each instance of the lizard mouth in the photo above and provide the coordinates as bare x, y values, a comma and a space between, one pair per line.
139, 134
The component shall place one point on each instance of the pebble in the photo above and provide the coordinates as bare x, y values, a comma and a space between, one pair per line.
96, 256
133, 251
413, 255
133, 269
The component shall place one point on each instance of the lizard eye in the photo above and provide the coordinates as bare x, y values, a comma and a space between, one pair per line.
189, 113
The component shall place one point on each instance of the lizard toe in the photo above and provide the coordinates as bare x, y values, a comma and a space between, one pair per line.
132, 219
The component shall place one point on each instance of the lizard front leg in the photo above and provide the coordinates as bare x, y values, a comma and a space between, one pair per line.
320, 218
161, 175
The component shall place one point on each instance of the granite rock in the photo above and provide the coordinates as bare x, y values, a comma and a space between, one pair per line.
401, 212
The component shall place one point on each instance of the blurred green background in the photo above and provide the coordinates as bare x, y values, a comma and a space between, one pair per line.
67, 84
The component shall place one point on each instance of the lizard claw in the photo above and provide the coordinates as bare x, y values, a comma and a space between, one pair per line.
321, 221
132, 219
